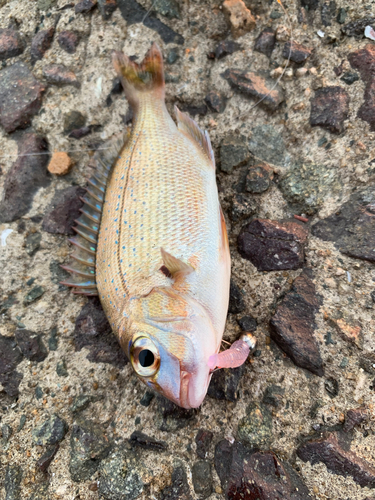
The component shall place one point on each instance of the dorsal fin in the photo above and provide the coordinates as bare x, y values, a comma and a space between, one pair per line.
189, 127
176, 267
82, 265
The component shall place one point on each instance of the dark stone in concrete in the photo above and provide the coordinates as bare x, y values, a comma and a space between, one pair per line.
171, 417
328, 12
355, 417
329, 108
338, 460
248, 324
349, 77
367, 362
272, 245
341, 15
225, 383
31, 345
93, 331
20, 96
255, 429
245, 474
63, 210
89, 446
38, 392
357, 28
174, 77
46, 459
61, 368
12, 482
60, 75
332, 387
242, 208
78, 133
11, 381
33, 243
51, 431
9, 302
134, 13
202, 478
140, 439
267, 144
216, 101
40, 492
203, 441
168, 8
73, 120
298, 53
307, 185
259, 178
57, 273
367, 111
6, 434
146, 399
226, 47
120, 476
352, 227
68, 41
25, 177
11, 44
364, 61
41, 43
236, 302
81, 402
85, 6
22, 422
265, 43
310, 4
257, 86
172, 56
233, 152
293, 325
194, 109
179, 489
10, 355
33, 295
107, 7
273, 395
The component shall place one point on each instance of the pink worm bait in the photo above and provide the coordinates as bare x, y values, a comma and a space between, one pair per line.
235, 356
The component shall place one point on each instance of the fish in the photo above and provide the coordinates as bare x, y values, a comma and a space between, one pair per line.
152, 241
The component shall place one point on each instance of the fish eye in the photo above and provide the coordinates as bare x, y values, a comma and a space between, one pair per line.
145, 357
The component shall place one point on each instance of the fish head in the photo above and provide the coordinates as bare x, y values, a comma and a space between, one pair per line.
171, 338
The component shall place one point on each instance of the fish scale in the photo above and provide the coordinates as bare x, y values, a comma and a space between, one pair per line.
170, 208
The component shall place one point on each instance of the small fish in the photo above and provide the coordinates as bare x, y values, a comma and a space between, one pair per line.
152, 242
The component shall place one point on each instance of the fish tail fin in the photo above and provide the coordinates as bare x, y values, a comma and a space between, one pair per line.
148, 76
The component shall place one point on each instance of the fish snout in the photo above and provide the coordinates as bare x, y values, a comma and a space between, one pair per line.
193, 387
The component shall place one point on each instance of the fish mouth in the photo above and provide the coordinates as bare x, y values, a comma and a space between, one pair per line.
188, 394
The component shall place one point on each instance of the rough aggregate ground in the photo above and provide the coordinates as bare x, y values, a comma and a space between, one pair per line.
316, 170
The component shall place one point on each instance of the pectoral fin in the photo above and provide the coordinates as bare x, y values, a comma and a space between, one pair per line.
176, 267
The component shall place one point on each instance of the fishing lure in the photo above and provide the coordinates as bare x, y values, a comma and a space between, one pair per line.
152, 242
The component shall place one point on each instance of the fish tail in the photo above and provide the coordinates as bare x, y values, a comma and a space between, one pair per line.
146, 77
